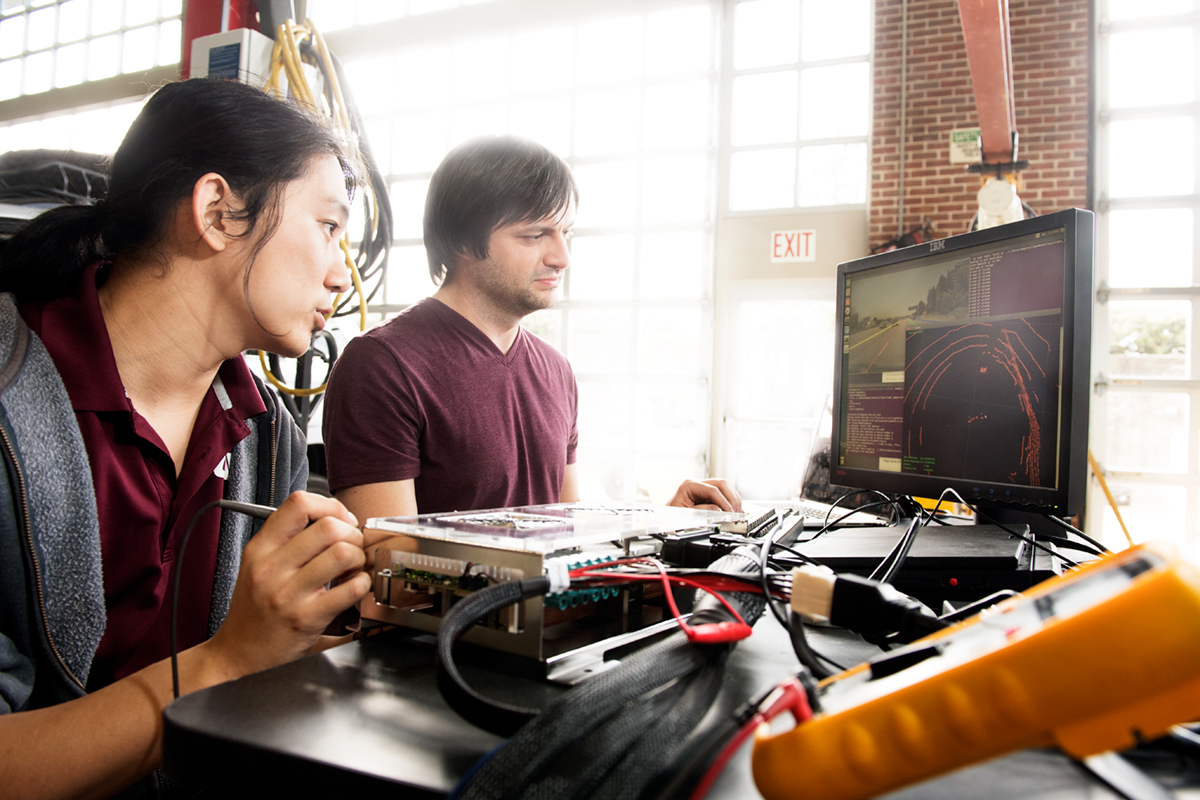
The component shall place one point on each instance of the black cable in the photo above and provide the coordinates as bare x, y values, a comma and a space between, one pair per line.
838, 501
578, 713
1031, 540
878, 612
793, 623
750, 606
250, 509
660, 708
1062, 523
974, 608
491, 715
1173, 759
374, 251
673, 674
764, 555
1187, 736
804, 653
896, 512
797, 554
633, 748
1064, 542
686, 773
655, 751
906, 542
833, 526
895, 559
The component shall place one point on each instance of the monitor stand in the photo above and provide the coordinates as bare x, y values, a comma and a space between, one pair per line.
1036, 521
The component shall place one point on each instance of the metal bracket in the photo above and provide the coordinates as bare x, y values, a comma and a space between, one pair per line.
584, 662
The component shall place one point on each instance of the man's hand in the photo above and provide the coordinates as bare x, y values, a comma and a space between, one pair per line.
280, 605
714, 494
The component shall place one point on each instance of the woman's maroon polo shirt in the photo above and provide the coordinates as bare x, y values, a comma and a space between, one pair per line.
143, 507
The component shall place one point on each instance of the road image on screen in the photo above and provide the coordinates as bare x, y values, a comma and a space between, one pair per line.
954, 364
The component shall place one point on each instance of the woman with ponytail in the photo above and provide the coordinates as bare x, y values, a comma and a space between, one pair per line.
125, 407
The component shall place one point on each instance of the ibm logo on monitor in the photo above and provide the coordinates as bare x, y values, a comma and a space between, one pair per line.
940, 244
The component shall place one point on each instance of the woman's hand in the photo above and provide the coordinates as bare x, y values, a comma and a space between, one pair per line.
280, 603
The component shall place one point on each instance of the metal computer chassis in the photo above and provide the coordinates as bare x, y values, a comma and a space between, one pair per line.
428, 563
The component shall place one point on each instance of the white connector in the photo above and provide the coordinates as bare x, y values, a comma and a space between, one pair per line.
812, 592
559, 573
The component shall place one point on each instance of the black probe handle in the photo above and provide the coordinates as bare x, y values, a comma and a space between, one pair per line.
249, 509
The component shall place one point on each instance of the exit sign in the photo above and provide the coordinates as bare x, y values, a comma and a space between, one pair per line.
793, 246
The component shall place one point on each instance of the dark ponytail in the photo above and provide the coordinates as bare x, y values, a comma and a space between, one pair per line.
186, 130
46, 257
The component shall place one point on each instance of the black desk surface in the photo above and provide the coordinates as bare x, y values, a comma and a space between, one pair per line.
368, 715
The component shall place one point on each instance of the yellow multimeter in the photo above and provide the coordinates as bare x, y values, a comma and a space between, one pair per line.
1089, 662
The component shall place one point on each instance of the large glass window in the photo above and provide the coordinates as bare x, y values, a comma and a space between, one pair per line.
48, 45
336, 15
801, 101
628, 95
637, 95
798, 81
1146, 411
96, 129
778, 373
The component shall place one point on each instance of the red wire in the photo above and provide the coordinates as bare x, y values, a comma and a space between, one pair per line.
706, 633
709, 583
666, 580
789, 696
719, 764
694, 632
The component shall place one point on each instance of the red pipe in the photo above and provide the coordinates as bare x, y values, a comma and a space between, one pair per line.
206, 17
989, 53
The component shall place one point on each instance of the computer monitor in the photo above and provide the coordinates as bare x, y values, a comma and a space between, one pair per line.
964, 363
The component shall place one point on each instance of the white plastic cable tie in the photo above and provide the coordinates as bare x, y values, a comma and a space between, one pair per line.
560, 576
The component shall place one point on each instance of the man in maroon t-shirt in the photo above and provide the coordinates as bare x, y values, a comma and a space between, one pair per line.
452, 405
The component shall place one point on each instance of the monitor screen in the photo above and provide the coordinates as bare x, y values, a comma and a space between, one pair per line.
964, 363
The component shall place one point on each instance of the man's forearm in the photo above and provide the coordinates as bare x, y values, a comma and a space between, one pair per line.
389, 499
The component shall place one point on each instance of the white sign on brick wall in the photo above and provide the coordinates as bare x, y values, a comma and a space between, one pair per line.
964, 146
793, 246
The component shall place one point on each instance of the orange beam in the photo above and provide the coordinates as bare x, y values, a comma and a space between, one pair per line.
989, 52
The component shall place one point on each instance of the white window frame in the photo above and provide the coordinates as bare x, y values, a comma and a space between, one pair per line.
1107, 384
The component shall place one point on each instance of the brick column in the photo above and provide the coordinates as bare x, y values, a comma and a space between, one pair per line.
1051, 66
